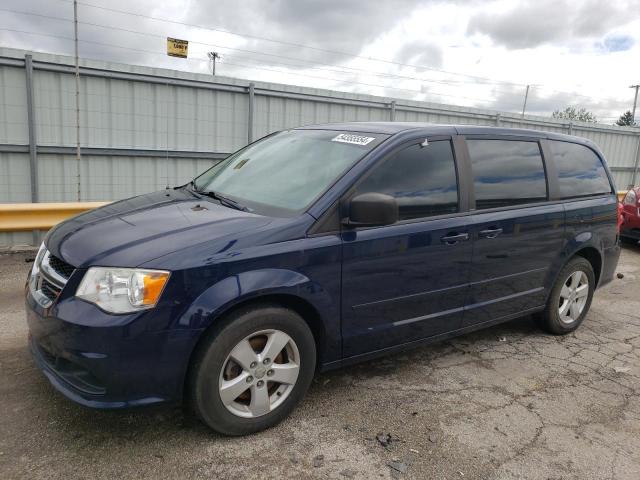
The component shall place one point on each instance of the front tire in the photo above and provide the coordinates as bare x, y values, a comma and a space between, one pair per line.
249, 374
570, 298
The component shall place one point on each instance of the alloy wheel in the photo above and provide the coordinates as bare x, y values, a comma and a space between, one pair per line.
259, 373
573, 297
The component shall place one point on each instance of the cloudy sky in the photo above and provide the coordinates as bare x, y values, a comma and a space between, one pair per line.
478, 53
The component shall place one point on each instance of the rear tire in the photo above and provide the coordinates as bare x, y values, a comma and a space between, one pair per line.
249, 374
570, 298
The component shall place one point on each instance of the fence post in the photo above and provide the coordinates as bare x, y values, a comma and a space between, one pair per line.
33, 154
570, 128
250, 114
392, 113
33, 148
635, 167
498, 120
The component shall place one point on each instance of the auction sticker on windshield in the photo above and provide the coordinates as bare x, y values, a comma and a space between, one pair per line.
353, 139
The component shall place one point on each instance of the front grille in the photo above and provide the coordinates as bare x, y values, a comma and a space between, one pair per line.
49, 290
48, 278
60, 266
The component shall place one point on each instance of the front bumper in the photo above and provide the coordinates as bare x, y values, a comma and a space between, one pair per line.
120, 362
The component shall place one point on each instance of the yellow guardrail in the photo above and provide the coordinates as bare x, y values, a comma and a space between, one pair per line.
17, 217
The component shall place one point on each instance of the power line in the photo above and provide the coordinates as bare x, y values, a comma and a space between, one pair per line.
343, 67
369, 72
70, 39
299, 45
199, 62
365, 84
487, 81
148, 34
237, 64
440, 94
293, 44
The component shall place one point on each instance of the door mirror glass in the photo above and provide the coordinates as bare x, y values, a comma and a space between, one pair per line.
372, 209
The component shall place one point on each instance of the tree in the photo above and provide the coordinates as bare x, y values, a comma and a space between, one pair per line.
626, 120
574, 113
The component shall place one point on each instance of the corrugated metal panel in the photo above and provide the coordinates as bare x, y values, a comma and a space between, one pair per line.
13, 106
623, 180
14, 178
111, 178
180, 111
54, 100
13, 239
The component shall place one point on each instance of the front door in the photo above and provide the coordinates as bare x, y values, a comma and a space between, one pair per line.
407, 281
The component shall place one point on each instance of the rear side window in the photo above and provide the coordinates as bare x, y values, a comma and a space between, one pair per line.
580, 170
422, 179
507, 172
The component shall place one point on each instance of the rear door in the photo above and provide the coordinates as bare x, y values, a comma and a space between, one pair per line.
407, 281
517, 231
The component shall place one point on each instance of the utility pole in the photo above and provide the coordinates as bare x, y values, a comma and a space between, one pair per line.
75, 39
635, 102
526, 95
213, 56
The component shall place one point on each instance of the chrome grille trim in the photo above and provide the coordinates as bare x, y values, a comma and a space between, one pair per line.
51, 275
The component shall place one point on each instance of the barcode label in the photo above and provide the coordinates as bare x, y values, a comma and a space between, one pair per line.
353, 139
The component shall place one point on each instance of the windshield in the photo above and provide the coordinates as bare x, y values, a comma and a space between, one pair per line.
283, 173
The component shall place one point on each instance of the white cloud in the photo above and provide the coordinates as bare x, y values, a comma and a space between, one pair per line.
580, 53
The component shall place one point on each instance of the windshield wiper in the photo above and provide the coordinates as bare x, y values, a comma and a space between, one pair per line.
226, 201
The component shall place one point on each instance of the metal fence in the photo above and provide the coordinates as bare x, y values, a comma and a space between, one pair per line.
144, 128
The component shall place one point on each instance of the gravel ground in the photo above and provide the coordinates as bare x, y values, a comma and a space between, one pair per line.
507, 402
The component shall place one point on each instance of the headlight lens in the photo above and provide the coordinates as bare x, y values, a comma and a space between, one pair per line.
122, 290
35, 269
36, 262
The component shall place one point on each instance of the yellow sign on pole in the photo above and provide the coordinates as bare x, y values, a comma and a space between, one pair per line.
177, 47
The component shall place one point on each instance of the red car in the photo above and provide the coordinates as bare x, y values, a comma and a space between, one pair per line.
630, 228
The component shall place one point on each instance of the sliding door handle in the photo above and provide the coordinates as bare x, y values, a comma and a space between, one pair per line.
453, 238
490, 233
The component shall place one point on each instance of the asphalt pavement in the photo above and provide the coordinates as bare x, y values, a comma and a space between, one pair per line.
508, 402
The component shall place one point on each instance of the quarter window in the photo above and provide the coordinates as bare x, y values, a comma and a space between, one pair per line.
580, 170
422, 179
506, 172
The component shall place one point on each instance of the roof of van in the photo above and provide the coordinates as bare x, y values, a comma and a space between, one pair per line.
392, 128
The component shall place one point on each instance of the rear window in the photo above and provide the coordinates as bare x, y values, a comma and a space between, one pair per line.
506, 172
580, 170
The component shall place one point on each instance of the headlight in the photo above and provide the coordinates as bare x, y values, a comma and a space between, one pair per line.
122, 290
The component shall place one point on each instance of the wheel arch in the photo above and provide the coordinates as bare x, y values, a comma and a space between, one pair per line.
307, 311
292, 290
594, 257
585, 250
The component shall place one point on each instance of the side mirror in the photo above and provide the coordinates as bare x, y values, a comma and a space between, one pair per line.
372, 209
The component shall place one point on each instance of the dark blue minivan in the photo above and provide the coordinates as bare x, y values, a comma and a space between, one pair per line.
314, 248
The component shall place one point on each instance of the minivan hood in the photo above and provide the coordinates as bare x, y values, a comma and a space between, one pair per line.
131, 232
